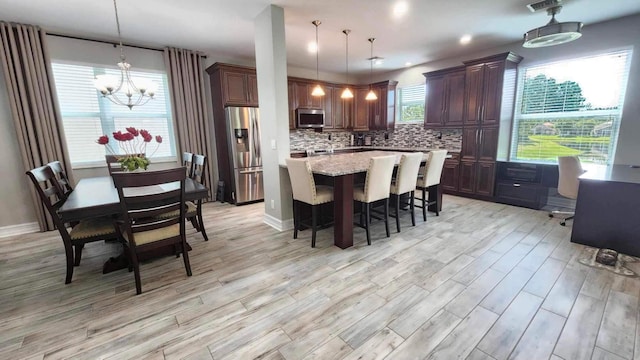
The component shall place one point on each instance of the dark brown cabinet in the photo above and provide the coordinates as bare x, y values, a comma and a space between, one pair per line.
361, 109
382, 112
445, 98
304, 99
291, 87
451, 174
478, 155
486, 82
239, 85
340, 109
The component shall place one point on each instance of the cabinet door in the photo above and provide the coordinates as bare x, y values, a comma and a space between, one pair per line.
469, 149
467, 177
252, 89
486, 173
454, 110
293, 105
473, 94
435, 102
493, 78
327, 107
390, 115
235, 89
450, 175
378, 109
487, 144
337, 109
361, 110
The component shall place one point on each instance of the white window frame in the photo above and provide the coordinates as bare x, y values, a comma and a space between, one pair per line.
108, 117
416, 102
616, 114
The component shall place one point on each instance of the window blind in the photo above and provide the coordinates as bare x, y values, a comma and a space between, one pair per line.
572, 107
86, 115
411, 103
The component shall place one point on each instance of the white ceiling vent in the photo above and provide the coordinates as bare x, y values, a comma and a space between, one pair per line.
544, 4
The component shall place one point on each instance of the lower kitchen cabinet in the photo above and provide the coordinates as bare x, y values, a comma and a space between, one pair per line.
467, 177
451, 174
486, 173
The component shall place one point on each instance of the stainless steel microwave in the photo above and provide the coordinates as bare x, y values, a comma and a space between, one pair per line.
309, 118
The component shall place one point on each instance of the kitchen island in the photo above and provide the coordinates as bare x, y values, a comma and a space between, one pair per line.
343, 169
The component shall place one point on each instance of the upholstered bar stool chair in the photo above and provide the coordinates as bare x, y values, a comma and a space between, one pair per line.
405, 183
306, 191
569, 170
376, 188
429, 180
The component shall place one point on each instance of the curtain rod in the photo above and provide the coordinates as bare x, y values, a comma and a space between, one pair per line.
115, 44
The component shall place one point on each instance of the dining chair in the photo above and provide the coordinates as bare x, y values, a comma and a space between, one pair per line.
305, 191
376, 188
143, 196
112, 162
187, 161
569, 170
198, 174
405, 183
62, 178
52, 196
429, 180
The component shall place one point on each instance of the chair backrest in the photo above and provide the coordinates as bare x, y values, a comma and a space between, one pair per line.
569, 169
432, 171
407, 173
50, 193
302, 183
145, 195
112, 162
187, 161
62, 178
198, 169
378, 181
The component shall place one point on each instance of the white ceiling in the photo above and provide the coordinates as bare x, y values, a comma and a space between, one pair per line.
429, 31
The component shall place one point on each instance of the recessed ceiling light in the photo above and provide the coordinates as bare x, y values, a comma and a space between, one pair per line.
465, 39
408, 63
400, 8
312, 47
379, 61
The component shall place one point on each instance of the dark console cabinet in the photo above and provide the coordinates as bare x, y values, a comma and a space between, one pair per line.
524, 184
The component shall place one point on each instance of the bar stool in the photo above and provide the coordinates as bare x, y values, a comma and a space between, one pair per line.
429, 179
404, 183
376, 188
306, 191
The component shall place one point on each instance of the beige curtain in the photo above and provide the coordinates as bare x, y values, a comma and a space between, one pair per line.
27, 72
188, 102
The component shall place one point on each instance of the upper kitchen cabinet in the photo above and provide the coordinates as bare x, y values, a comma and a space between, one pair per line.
361, 106
291, 88
445, 98
238, 84
304, 99
382, 112
490, 89
337, 111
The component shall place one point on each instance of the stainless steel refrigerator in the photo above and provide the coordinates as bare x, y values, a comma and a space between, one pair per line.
243, 135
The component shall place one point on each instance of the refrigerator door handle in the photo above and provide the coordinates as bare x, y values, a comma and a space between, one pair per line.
249, 171
256, 140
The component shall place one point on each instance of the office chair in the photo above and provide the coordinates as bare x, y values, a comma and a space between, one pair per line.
569, 169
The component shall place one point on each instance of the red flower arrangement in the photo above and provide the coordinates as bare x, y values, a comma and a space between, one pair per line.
132, 142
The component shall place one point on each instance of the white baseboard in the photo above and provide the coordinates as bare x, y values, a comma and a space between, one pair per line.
280, 225
13, 230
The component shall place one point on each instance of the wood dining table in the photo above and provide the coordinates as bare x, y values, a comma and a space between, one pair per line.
343, 168
98, 197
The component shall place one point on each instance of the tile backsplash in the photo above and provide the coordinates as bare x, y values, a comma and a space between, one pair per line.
404, 135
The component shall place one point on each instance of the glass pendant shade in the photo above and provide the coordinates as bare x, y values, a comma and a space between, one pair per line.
317, 90
371, 95
346, 94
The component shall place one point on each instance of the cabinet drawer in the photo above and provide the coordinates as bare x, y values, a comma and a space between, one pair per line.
521, 194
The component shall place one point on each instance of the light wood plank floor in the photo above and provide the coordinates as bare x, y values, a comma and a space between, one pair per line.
481, 281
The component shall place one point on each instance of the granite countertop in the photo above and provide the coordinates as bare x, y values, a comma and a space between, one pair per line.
349, 163
381, 148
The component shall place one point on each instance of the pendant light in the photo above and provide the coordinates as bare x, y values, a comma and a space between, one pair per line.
347, 93
317, 90
371, 95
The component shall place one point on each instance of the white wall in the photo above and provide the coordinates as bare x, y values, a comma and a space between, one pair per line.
597, 38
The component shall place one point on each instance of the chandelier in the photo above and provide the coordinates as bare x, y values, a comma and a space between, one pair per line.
124, 90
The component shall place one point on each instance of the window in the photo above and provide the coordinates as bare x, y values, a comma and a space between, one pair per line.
411, 104
571, 107
86, 115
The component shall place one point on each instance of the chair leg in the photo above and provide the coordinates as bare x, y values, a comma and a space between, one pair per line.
386, 216
397, 212
68, 251
314, 224
78, 254
412, 208
295, 219
194, 223
424, 204
200, 222
435, 189
136, 271
367, 220
185, 257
